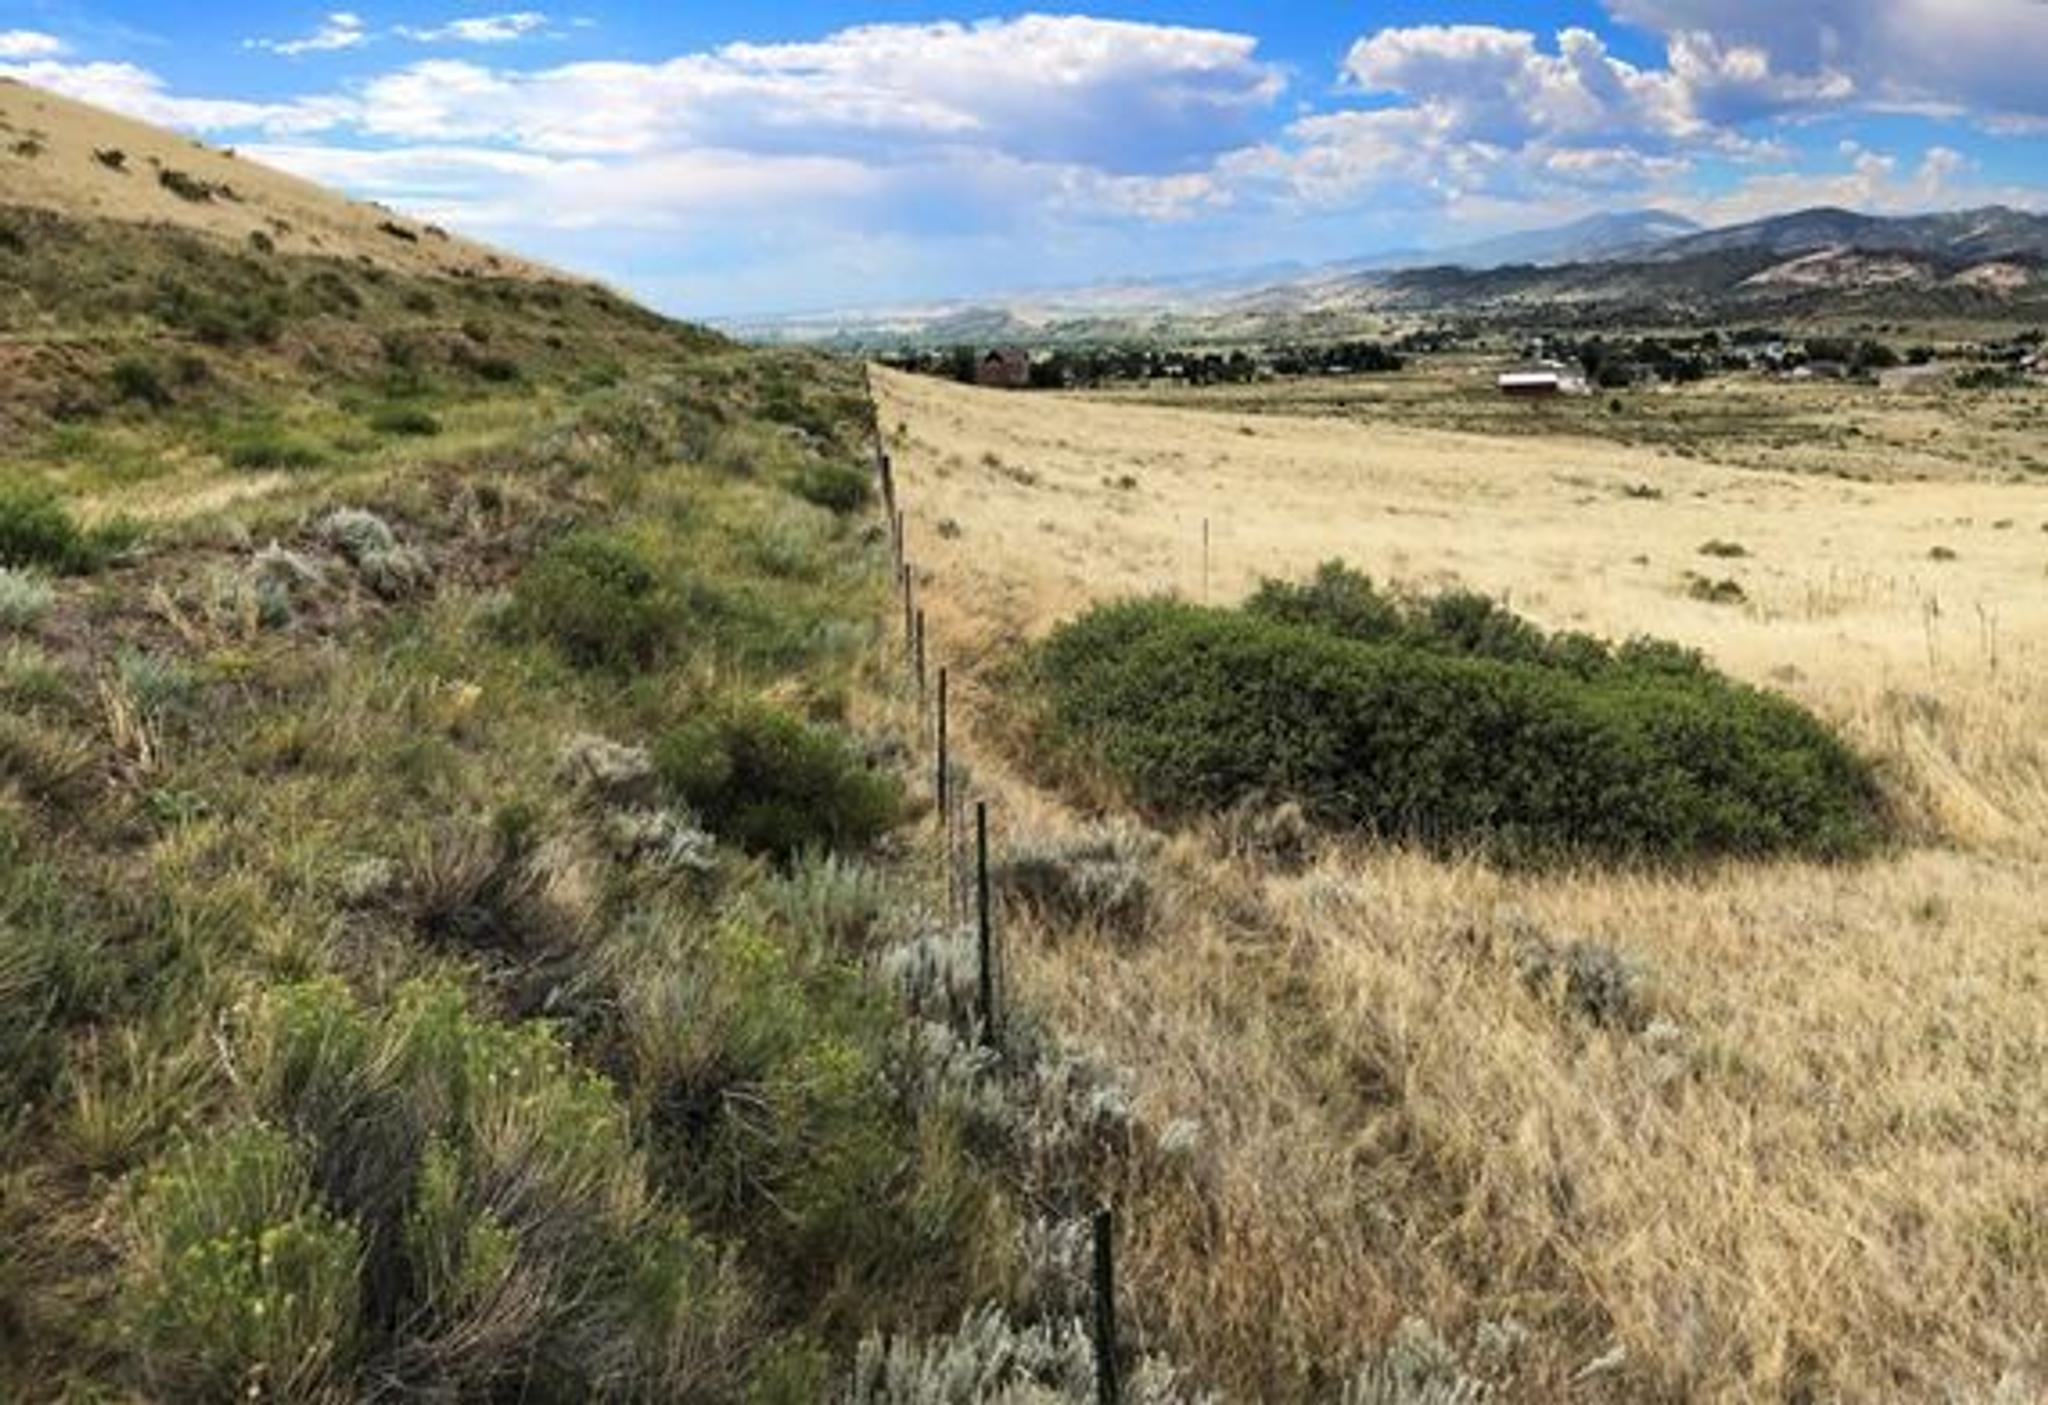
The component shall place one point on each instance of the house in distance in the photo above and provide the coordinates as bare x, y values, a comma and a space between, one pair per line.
1005, 368
1539, 380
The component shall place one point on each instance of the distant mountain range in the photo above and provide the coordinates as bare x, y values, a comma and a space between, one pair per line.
1647, 265
1588, 240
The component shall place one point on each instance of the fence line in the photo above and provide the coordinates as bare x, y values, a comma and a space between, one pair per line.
969, 888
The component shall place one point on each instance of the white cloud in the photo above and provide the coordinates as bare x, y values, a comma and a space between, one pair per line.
1874, 182
141, 94
1981, 56
479, 29
1129, 98
343, 29
29, 44
1485, 83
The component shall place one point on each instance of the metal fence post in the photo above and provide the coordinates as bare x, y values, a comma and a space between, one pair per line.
991, 1033
1108, 1388
941, 781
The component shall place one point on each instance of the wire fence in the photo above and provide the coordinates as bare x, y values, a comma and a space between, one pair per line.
962, 820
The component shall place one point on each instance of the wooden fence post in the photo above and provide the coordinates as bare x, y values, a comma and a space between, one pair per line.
1108, 1388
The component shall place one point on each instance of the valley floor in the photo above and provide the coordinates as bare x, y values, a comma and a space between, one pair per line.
1813, 1173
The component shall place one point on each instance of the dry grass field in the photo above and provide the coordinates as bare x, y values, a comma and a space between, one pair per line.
1815, 1172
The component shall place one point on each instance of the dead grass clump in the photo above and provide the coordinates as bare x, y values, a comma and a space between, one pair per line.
1590, 978
1099, 878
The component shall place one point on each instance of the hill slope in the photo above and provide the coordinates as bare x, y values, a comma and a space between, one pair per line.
1991, 233
1590, 240
81, 161
448, 791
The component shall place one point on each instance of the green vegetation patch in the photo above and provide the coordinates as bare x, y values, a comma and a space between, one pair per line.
773, 784
37, 530
1450, 722
834, 487
597, 597
268, 449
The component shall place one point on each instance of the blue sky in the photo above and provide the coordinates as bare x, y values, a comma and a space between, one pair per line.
731, 160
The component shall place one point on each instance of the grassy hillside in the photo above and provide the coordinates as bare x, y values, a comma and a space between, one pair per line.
459, 926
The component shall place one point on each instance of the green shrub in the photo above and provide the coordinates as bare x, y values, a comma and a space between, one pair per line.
1621, 754
1713, 592
406, 420
834, 487
36, 530
512, 1244
772, 784
186, 186
138, 380
243, 1283
1341, 601
261, 450
597, 599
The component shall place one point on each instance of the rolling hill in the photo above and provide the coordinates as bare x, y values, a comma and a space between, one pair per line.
80, 161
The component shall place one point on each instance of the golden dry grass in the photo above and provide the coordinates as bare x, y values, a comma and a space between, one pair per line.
1816, 1175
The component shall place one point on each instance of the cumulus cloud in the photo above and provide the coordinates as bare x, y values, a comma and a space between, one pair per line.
29, 44
479, 29
1486, 83
1129, 98
343, 29
1977, 56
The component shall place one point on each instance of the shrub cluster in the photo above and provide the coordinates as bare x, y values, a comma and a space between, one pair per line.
1449, 722
424, 1199
832, 486
598, 599
773, 784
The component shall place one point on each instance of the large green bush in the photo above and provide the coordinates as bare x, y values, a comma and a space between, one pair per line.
1452, 728
773, 784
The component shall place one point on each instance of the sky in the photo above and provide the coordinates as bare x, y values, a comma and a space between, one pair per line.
733, 160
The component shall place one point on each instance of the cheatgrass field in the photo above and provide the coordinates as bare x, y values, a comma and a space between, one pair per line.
1602, 921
